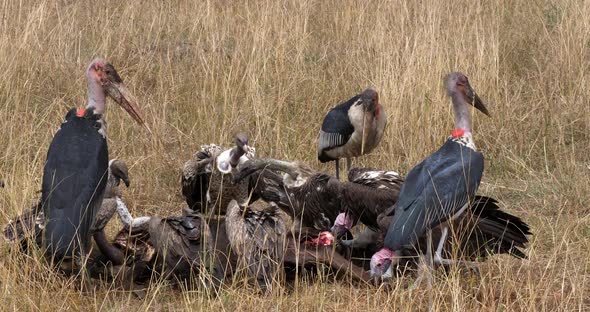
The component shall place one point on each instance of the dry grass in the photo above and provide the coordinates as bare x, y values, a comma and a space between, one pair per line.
205, 69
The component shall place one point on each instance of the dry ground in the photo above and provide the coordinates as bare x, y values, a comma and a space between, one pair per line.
203, 70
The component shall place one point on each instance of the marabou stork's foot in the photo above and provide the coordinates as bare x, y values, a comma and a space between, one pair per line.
417, 281
470, 266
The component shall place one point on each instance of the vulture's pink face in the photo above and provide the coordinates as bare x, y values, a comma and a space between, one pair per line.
381, 264
324, 239
342, 225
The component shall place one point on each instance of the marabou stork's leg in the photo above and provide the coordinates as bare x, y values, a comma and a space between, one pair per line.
337, 169
348, 164
441, 242
429, 261
426, 264
438, 259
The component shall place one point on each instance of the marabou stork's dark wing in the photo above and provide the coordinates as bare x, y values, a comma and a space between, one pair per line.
74, 180
336, 129
434, 191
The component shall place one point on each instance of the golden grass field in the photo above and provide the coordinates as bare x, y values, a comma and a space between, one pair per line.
203, 70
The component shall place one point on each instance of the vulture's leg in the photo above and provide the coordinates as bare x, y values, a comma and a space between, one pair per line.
438, 259
337, 169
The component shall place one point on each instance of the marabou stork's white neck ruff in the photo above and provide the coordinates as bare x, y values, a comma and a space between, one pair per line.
352, 129
75, 173
440, 187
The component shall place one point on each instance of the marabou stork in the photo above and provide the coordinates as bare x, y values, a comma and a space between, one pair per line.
30, 223
75, 174
483, 230
439, 189
352, 129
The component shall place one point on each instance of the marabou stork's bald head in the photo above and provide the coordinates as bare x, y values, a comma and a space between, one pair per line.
458, 87
103, 80
370, 99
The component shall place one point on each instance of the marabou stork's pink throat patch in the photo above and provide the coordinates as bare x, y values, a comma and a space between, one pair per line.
81, 112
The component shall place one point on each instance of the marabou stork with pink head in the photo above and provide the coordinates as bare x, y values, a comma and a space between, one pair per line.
76, 170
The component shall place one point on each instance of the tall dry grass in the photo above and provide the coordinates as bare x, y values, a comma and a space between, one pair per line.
204, 70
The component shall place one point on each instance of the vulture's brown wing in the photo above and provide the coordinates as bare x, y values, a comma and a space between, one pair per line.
25, 226
258, 237
379, 179
196, 175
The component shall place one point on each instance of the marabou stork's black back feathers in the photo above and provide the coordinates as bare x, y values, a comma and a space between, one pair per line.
74, 179
336, 129
434, 191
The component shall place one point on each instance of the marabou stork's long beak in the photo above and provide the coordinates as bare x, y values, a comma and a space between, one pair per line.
477, 103
120, 94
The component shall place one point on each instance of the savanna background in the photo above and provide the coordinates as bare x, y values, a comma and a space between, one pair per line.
203, 70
